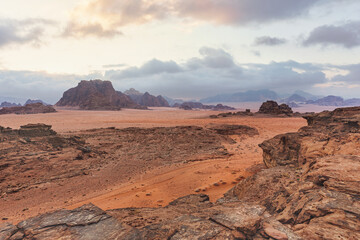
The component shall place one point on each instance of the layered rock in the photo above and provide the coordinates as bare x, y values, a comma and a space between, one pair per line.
34, 108
96, 95
86, 222
313, 179
327, 133
272, 107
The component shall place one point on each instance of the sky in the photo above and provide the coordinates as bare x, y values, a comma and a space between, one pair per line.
187, 49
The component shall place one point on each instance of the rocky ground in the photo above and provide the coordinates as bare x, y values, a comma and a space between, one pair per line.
55, 166
309, 191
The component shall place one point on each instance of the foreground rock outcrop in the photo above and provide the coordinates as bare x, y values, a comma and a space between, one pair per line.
33, 108
96, 95
310, 190
314, 176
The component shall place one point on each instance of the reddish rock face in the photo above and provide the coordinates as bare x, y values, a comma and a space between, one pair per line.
28, 109
96, 95
313, 179
271, 107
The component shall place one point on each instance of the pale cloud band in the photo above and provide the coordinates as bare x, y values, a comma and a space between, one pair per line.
214, 72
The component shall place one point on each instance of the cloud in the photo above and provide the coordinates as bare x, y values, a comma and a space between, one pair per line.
38, 85
352, 75
103, 18
234, 12
22, 31
152, 67
346, 35
74, 29
211, 58
114, 65
269, 41
214, 72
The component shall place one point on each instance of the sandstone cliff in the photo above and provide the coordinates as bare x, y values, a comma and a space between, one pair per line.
96, 95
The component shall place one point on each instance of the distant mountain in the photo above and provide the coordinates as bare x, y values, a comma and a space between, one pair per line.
96, 95
8, 104
172, 101
30, 101
352, 102
133, 91
307, 95
12, 99
147, 99
328, 101
295, 98
248, 96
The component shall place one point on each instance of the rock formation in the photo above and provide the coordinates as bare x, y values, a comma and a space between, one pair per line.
314, 176
271, 107
34, 108
96, 95
30, 101
198, 105
147, 99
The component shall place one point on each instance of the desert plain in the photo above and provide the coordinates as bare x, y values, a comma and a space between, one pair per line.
138, 171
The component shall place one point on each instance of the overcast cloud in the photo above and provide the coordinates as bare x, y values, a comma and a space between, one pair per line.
269, 41
22, 31
213, 72
346, 35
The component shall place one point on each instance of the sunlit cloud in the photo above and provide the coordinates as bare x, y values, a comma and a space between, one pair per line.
105, 17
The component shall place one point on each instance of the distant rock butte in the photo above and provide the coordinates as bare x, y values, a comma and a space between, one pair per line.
30, 101
198, 105
271, 107
147, 99
34, 108
96, 95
